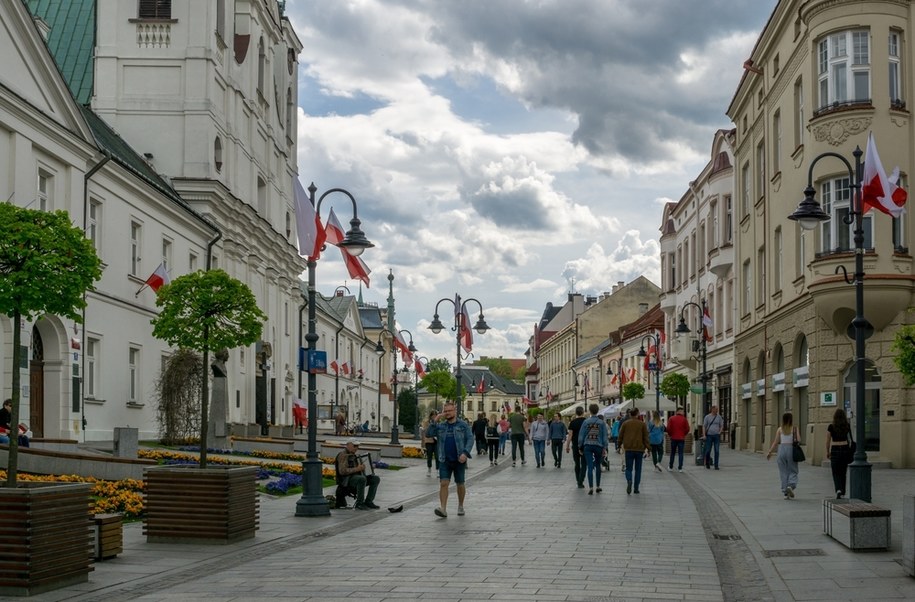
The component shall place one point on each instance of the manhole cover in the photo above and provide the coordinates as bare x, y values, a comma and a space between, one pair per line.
726, 537
801, 552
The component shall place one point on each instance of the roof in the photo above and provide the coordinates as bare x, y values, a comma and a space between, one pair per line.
371, 318
470, 376
71, 40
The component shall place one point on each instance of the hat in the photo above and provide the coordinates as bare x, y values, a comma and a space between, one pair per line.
352, 442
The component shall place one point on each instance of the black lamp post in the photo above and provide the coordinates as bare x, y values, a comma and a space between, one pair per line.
423, 361
379, 349
809, 214
619, 370
653, 365
701, 346
574, 386
481, 389
460, 313
312, 502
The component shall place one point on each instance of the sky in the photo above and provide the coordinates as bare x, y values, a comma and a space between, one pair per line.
510, 151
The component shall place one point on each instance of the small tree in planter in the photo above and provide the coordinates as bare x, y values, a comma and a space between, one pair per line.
207, 310
675, 386
46, 267
633, 391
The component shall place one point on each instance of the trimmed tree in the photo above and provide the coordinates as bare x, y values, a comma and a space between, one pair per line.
46, 267
207, 310
633, 390
675, 386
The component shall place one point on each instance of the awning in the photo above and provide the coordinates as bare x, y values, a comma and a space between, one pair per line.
569, 411
647, 404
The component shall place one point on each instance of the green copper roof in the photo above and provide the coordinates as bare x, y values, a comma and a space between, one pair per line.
71, 41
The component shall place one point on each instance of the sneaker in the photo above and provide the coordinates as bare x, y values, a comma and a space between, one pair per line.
790, 492
372, 505
599, 490
838, 495
679, 470
635, 491
513, 463
590, 492
716, 468
496, 463
439, 512
361, 507
658, 468
492, 464
523, 462
581, 485
628, 487
460, 511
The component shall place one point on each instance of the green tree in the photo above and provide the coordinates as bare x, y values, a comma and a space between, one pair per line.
633, 390
46, 267
203, 311
406, 408
439, 382
498, 366
904, 346
675, 386
438, 364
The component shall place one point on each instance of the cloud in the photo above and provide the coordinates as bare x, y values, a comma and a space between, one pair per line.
599, 270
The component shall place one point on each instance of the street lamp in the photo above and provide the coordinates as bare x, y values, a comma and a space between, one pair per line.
461, 318
312, 502
653, 339
422, 361
481, 389
574, 386
379, 349
809, 214
619, 370
702, 345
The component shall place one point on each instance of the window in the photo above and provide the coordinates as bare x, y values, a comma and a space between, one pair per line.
155, 9
288, 225
90, 387
776, 141
777, 264
745, 192
800, 256
673, 272
760, 170
191, 262
133, 375
290, 114
895, 74
286, 318
799, 123
747, 287
728, 219
701, 245
844, 79
221, 19
837, 235
45, 181
761, 276
261, 65
217, 154
167, 254
261, 197
135, 232
93, 224
713, 230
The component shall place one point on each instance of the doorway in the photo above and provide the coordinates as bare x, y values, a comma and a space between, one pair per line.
36, 385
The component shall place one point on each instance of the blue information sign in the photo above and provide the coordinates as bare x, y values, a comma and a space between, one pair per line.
317, 362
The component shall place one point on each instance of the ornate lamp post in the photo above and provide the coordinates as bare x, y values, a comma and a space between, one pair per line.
481, 389
379, 349
460, 323
619, 370
702, 344
654, 365
312, 502
809, 215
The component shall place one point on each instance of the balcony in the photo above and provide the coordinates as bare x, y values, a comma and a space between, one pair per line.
721, 261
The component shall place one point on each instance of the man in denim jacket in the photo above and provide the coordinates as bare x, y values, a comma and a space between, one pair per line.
455, 446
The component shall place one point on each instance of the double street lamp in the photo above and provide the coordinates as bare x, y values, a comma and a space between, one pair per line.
619, 370
461, 325
809, 215
379, 349
700, 345
654, 364
481, 389
312, 502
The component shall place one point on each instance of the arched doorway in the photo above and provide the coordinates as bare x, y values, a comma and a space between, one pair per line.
36, 385
872, 385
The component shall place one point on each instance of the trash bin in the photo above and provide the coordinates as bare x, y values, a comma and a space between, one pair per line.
699, 448
733, 436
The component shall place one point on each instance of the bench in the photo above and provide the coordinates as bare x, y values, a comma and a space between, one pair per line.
109, 536
253, 444
856, 524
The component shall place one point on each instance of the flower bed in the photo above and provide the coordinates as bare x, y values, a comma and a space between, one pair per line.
108, 497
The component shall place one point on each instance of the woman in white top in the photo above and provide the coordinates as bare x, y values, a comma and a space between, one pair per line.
785, 437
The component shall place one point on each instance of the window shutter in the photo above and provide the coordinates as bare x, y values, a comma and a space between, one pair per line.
155, 9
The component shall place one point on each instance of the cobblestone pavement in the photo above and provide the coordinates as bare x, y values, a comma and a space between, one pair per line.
530, 534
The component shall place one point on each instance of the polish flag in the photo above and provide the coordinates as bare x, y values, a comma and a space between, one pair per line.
615, 379
707, 325
465, 335
878, 191
345, 368
404, 348
333, 230
307, 222
158, 278
630, 374
356, 267
335, 367
420, 371
481, 388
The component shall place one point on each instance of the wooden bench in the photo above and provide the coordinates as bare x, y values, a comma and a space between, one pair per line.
109, 536
857, 524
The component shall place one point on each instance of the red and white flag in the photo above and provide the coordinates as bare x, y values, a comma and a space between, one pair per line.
335, 367
481, 388
157, 279
345, 368
333, 231
707, 325
399, 343
420, 370
879, 191
356, 267
465, 334
307, 223
630, 374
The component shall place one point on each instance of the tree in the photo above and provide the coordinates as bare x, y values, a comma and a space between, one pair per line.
438, 364
498, 366
207, 310
675, 386
406, 408
904, 346
439, 382
179, 388
46, 267
633, 390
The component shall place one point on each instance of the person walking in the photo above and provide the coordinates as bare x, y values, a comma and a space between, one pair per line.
504, 432
634, 439
479, 432
492, 441
656, 439
577, 450
519, 433
558, 432
838, 450
455, 447
711, 433
677, 429
784, 439
615, 433
540, 432
592, 439
430, 444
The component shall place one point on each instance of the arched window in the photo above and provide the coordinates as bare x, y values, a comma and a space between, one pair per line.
290, 115
217, 154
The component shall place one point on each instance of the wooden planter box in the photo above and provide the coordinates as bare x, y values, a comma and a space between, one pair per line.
186, 504
45, 537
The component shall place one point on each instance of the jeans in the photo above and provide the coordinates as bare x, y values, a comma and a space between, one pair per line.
676, 447
540, 451
481, 445
557, 451
579, 464
839, 458
634, 460
518, 441
503, 437
431, 450
657, 453
710, 442
593, 455
358, 482
493, 445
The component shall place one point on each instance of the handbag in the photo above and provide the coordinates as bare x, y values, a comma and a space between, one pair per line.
852, 446
797, 452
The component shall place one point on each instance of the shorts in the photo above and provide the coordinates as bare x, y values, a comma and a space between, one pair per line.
452, 467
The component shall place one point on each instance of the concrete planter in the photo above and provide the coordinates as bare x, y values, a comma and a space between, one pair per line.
186, 504
45, 537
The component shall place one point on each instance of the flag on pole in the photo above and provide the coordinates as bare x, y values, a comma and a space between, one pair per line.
156, 280
587, 385
356, 267
630, 374
307, 223
465, 335
333, 231
707, 325
345, 368
879, 191
481, 388
335, 367
420, 370
399, 343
